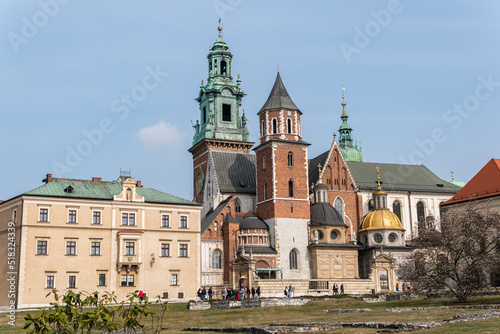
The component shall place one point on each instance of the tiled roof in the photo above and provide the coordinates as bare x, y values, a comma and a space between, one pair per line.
260, 250
398, 177
211, 215
279, 98
313, 167
87, 189
486, 183
235, 172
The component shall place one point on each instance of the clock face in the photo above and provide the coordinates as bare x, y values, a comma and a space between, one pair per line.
200, 181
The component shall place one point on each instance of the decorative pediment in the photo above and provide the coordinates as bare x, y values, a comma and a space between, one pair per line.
383, 258
128, 193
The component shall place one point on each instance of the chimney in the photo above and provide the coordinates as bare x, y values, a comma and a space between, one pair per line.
48, 178
96, 179
139, 184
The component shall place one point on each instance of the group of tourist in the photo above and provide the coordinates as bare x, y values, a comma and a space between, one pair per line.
404, 286
336, 288
236, 294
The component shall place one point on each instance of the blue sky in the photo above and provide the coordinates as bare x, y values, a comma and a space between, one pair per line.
422, 82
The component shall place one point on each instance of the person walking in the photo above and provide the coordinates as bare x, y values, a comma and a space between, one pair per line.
290, 291
141, 296
286, 291
253, 292
342, 288
203, 293
210, 293
258, 292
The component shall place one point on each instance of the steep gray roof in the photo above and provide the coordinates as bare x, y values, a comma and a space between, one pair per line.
398, 177
235, 172
313, 167
211, 215
278, 98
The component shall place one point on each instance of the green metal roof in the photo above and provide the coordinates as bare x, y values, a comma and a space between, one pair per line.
398, 177
88, 189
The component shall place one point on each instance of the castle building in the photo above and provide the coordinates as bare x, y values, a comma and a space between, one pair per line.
277, 215
97, 236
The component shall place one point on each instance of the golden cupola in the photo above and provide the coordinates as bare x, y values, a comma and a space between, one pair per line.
381, 217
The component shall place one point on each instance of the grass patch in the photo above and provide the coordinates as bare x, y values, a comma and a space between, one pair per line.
179, 317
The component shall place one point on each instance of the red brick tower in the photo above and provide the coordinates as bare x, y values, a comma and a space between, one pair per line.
282, 180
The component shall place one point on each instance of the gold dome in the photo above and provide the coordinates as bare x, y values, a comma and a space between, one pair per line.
381, 219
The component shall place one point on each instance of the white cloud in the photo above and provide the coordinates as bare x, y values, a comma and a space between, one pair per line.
159, 135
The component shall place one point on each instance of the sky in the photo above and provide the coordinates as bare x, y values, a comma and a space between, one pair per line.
88, 88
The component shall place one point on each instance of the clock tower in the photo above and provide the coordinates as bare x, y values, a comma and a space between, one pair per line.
221, 126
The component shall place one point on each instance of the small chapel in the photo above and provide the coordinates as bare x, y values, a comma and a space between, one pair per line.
273, 217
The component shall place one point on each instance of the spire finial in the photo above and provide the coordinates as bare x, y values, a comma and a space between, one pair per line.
334, 135
278, 68
452, 176
378, 178
220, 28
319, 169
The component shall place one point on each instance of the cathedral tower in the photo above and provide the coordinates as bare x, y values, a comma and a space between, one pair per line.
221, 126
282, 180
350, 151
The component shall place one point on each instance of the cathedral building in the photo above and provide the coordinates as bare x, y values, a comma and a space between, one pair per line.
289, 217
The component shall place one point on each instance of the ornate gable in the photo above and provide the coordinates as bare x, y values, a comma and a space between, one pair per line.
128, 193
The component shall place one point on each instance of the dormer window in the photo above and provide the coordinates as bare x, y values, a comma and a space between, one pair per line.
69, 190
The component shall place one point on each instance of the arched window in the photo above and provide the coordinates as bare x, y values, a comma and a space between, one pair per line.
294, 262
237, 205
264, 162
289, 125
396, 208
275, 125
290, 159
263, 128
420, 211
339, 206
265, 190
290, 188
217, 259
223, 67
129, 194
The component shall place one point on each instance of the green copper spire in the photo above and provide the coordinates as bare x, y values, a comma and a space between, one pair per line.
349, 151
220, 99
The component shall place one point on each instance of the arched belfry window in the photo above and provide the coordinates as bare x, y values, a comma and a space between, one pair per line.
289, 125
396, 208
339, 206
294, 259
275, 125
420, 211
290, 188
290, 159
223, 67
217, 259
263, 128
237, 205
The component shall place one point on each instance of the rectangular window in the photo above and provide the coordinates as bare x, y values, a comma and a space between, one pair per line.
41, 247
96, 217
50, 282
70, 247
72, 282
165, 250
184, 222
44, 215
130, 280
102, 279
72, 216
183, 250
226, 112
128, 219
130, 248
124, 280
95, 248
165, 221
174, 279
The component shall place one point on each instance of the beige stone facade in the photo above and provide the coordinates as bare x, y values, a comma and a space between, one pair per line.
125, 243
